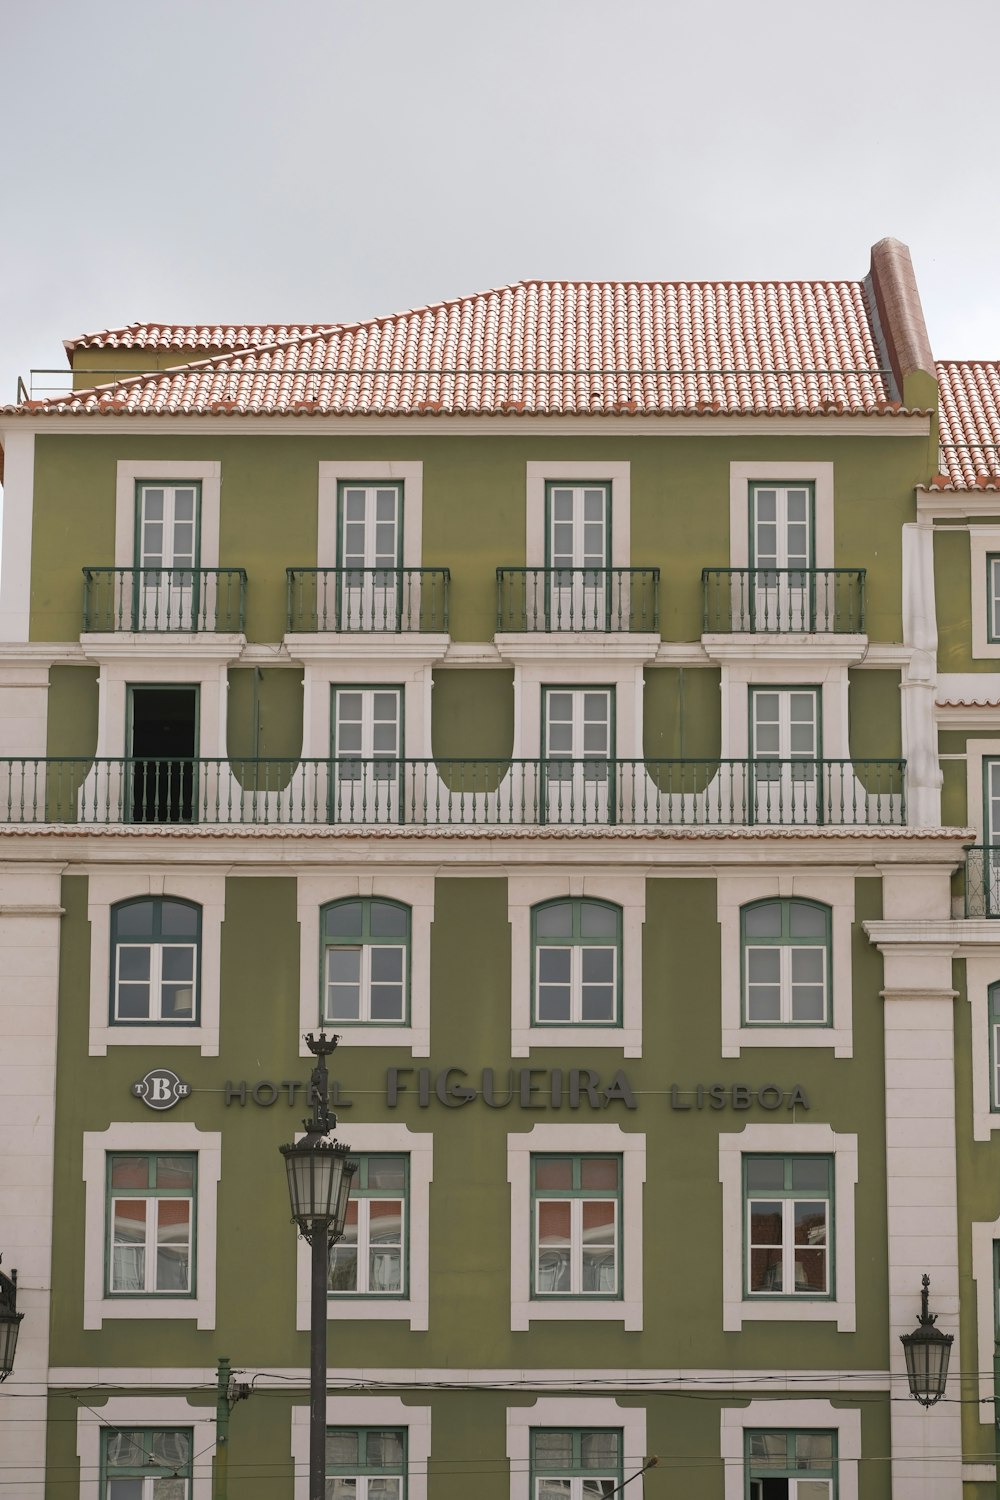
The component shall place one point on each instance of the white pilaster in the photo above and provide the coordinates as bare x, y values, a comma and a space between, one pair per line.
919, 679
18, 498
24, 698
921, 1171
29, 977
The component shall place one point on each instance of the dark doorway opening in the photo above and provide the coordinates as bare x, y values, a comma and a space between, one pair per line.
163, 735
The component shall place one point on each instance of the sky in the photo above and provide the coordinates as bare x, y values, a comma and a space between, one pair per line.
332, 160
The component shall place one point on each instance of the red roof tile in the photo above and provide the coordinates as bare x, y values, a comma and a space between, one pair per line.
547, 348
969, 405
160, 336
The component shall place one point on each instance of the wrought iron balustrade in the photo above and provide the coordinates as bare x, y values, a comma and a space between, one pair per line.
779, 600
454, 793
583, 599
982, 881
164, 599
369, 600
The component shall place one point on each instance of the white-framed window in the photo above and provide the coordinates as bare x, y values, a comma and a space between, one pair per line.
151, 1208
982, 990
155, 950
790, 1450
530, 895
737, 896
786, 963
410, 895
371, 1259
135, 540
984, 564
150, 1251
381, 1269
576, 956
147, 988
746, 1255
145, 1448
335, 477
584, 1269
369, 1464
572, 1447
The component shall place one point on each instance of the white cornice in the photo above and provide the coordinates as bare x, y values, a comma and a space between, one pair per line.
336, 648
957, 936
712, 424
560, 647
956, 504
124, 645
835, 650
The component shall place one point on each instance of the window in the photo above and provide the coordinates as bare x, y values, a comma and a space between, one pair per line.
155, 948
578, 749
994, 1013
788, 1210
150, 1219
781, 526
166, 549
365, 970
145, 1463
791, 1465
577, 1202
786, 963
371, 1259
366, 1463
367, 736
370, 551
578, 543
576, 948
993, 597
575, 1464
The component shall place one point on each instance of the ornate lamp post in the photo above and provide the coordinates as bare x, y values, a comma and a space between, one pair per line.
10, 1322
927, 1351
319, 1186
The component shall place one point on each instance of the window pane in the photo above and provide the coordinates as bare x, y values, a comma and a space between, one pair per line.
765, 1223
763, 921
134, 963
810, 1172
598, 921
599, 1172
553, 1450
385, 1450
553, 1172
172, 1449
344, 1256
178, 964
765, 1172
129, 1171
178, 920
598, 965
553, 1489
388, 920
599, 1450
343, 920
763, 965
133, 1002
135, 919
553, 1222
124, 1489
555, 921
387, 1172
806, 921
597, 1003
341, 1449
769, 1450
341, 1489
814, 1450
175, 1172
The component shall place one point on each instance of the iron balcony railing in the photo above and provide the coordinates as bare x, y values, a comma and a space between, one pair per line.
161, 599
455, 793
393, 600
982, 881
585, 599
793, 600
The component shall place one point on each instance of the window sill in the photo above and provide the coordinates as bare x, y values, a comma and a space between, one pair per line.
735, 1314
576, 1309
368, 1310
840, 1038
154, 1309
154, 1034
625, 1039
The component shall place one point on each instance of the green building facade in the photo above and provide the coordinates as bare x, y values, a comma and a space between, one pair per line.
603, 745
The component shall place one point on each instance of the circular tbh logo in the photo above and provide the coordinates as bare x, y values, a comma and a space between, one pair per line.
160, 1089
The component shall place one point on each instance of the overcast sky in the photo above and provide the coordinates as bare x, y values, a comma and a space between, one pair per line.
323, 160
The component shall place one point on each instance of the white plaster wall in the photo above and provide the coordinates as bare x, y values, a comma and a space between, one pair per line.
15, 553
24, 698
29, 973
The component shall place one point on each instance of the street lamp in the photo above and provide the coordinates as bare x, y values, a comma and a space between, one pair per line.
10, 1322
927, 1351
319, 1186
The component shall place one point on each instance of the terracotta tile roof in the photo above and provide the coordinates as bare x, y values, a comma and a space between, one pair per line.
969, 405
160, 336
548, 348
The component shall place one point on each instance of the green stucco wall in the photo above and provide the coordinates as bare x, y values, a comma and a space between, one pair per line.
472, 714
874, 717
682, 713
264, 713
71, 727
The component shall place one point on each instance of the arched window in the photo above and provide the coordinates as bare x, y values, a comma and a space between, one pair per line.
365, 959
576, 957
155, 962
786, 963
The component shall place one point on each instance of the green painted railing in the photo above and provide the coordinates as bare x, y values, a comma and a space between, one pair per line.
586, 599
364, 600
455, 793
982, 881
161, 599
796, 600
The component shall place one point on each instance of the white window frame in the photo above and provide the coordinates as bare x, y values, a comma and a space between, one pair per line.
363, 1203
367, 1411
524, 892
983, 541
778, 1416
151, 1199
984, 1237
130, 472
739, 1307
384, 1140
152, 1411
106, 889
619, 481
408, 474
743, 475
580, 1412
414, 891
982, 971
161, 1138
833, 889
575, 1140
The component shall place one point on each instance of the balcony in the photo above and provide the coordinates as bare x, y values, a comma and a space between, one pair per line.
389, 601
595, 600
456, 793
982, 881
193, 600
794, 601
